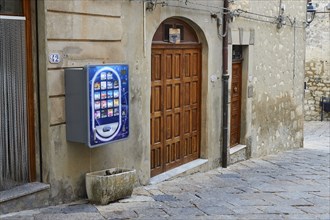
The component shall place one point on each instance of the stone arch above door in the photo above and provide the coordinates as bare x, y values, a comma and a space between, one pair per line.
187, 33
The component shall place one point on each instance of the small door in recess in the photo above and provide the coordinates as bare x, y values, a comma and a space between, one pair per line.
236, 91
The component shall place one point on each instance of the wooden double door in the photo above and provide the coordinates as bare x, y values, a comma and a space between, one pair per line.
175, 106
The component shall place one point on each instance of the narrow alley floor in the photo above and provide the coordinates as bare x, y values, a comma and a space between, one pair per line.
290, 185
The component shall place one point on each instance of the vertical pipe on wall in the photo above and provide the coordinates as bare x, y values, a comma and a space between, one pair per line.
225, 78
36, 5
280, 9
294, 50
144, 30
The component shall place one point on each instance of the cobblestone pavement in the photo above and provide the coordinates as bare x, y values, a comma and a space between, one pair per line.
291, 185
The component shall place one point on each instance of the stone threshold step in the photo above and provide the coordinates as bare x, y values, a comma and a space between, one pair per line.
193, 166
237, 148
21, 191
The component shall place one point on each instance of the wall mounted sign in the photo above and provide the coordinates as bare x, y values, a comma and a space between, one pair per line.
174, 35
54, 58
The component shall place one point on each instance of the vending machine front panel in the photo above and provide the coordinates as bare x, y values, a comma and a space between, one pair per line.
109, 103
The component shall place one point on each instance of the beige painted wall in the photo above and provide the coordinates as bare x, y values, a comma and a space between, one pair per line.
97, 32
118, 31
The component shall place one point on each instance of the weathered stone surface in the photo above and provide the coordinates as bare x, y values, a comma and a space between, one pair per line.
83, 27
27, 196
99, 7
59, 148
231, 193
75, 54
105, 31
57, 111
317, 65
55, 82
106, 186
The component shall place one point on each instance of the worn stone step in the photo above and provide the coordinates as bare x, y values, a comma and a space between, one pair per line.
238, 153
24, 197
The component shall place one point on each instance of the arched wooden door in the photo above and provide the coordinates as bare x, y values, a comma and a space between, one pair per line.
175, 98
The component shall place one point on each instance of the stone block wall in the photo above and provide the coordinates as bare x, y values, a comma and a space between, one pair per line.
317, 86
317, 65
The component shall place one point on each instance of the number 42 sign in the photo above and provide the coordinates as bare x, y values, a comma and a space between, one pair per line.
54, 58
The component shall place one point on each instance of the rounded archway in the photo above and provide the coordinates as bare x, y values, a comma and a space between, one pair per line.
175, 30
175, 109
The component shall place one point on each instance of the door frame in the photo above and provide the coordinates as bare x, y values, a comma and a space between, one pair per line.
30, 91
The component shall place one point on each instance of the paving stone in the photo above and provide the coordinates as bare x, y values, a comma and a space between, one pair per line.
154, 192
17, 218
290, 185
250, 202
81, 208
188, 197
185, 212
246, 210
140, 191
135, 198
294, 195
178, 204
154, 213
296, 202
217, 210
270, 198
324, 209
319, 201
124, 214
162, 198
76, 216
280, 209
216, 217
268, 216
307, 217
247, 189
212, 202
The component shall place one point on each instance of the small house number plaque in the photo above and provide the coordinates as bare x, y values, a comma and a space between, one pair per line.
54, 58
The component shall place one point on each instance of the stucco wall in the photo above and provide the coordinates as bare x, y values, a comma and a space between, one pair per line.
118, 31
317, 68
98, 32
276, 74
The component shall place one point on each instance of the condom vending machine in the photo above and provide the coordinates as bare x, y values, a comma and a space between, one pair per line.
97, 104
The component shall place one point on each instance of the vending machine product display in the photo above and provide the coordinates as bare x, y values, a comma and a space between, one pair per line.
97, 103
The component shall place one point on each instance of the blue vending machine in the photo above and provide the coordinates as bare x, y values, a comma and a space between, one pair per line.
97, 104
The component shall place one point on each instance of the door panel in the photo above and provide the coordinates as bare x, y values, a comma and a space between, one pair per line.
175, 81
236, 91
156, 109
179, 91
